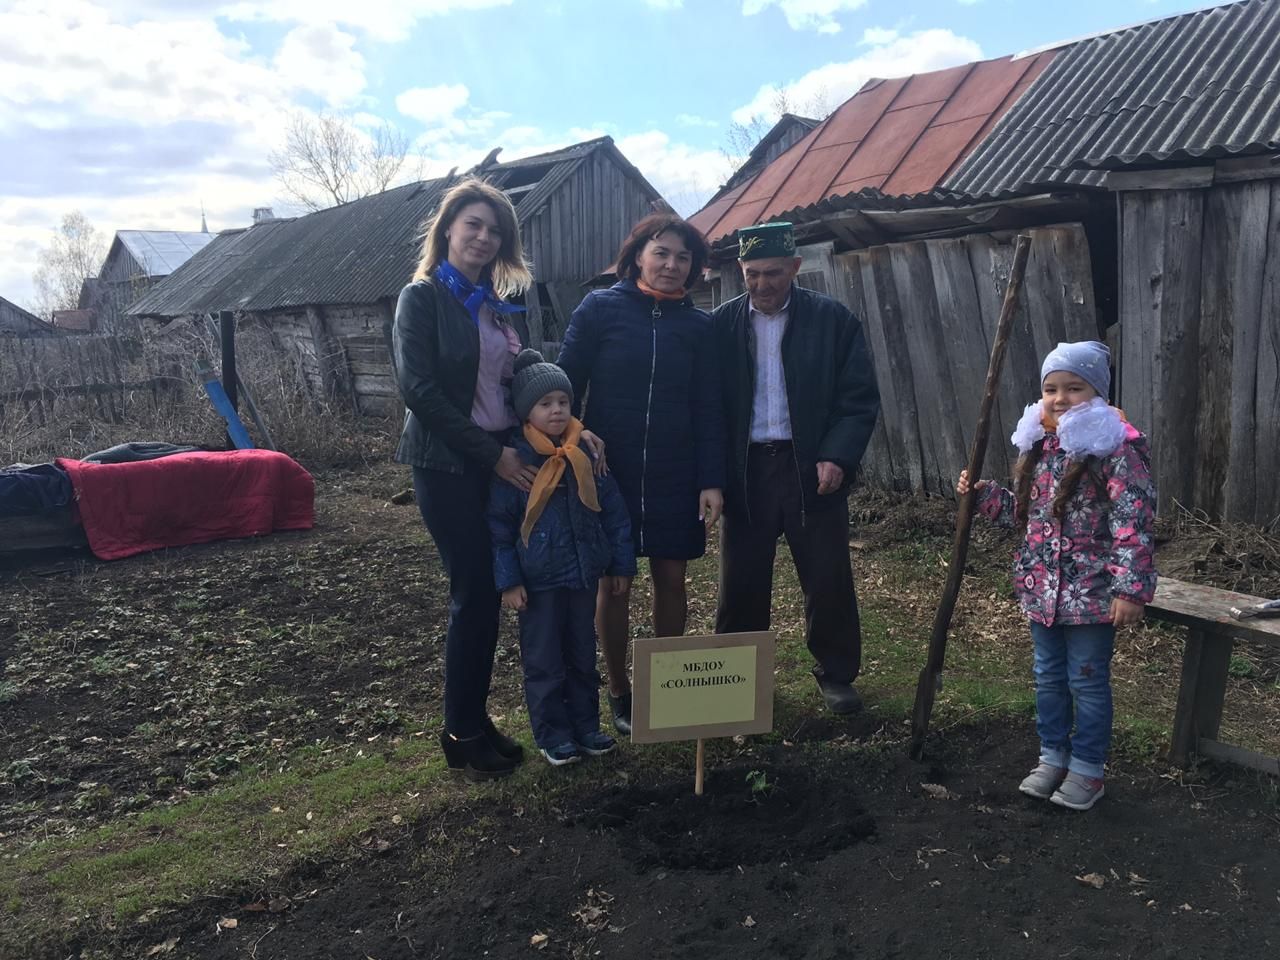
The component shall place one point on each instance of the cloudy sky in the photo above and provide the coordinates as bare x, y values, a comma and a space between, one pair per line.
138, 111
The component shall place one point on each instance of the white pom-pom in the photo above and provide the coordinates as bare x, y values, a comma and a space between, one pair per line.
1093, 428
1029, 428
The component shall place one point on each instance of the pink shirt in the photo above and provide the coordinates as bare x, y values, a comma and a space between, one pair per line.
499, 343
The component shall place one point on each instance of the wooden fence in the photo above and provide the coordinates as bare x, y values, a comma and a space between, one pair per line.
930, 309
1200, 319
100, 376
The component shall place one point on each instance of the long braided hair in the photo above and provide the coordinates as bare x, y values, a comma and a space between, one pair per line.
1024, 473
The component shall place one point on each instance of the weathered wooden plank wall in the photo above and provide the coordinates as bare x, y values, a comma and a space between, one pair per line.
1200, 360
930, 309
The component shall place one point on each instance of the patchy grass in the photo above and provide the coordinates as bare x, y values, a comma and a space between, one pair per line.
200, 723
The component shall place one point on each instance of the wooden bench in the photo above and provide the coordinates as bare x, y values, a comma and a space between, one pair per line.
1206, 660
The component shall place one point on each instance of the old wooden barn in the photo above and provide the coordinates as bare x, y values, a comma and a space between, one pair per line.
16, 322
326, 284
135, 262
1153, 215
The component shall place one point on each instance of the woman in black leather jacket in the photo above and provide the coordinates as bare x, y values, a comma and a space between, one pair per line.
453, 342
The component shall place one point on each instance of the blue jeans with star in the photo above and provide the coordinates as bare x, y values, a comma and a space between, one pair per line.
1072, 667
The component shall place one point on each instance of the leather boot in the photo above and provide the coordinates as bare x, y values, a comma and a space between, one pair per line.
475, 758
501, 743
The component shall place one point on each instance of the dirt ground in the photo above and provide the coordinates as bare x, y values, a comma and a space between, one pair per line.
145, 682
837, 856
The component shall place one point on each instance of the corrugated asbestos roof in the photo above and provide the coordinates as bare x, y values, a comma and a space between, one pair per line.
1199, 85
160, 252
359, 252
896, 137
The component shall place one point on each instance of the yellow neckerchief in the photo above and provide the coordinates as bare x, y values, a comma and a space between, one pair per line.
658, 294
552, 469
1050, 422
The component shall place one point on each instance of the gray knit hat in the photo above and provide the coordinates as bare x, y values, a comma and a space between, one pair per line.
1087, 359
534, 378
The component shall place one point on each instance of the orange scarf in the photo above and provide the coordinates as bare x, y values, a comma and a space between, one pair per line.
658, 294
552, 469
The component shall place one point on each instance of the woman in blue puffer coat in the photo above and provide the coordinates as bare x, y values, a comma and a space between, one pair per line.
647, 355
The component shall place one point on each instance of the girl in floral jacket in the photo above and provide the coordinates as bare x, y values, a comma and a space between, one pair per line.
1084, 494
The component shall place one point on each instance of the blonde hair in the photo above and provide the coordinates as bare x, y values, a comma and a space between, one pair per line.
509, 274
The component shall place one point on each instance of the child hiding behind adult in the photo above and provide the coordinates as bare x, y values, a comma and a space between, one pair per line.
1084, 494
551, 547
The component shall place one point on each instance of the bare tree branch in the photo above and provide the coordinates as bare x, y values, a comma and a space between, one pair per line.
75, 253
327, 160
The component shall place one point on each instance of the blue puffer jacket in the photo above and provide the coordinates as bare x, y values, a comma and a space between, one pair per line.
571, 545
655, 401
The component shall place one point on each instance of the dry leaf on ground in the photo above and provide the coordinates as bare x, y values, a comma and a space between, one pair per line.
1095, 880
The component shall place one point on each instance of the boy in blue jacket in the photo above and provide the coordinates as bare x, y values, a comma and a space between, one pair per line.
551, 546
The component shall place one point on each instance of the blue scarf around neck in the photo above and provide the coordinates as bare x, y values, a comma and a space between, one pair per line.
472, 295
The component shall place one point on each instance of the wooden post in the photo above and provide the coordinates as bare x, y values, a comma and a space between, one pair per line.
1206, 660
698, 773
227, 335
931, 676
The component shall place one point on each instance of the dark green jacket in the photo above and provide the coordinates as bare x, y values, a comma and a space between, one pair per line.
831, 388
435, 350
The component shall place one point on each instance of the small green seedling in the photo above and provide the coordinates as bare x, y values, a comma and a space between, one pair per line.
759, 783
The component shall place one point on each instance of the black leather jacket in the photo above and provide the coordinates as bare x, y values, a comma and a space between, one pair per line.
831, 388
435, 350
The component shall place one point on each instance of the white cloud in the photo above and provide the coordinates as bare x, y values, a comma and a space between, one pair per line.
321, 59
819, 15
686, 176
692, 120
381, 19
878, 36
832, 84
433, 105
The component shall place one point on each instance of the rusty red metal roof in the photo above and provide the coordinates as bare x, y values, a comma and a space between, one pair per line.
898, 137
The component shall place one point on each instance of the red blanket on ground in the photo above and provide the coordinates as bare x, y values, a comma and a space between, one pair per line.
128, 508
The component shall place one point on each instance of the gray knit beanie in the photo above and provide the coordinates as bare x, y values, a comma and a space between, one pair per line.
534, 378
1087, 359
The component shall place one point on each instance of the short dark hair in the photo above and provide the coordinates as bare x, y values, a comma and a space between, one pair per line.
650, 228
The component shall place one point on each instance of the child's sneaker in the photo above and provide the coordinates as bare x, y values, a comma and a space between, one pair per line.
1078, 792
1043, 781
596, 744
564, 753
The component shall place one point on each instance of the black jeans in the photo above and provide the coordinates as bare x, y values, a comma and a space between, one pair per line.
819, 542
453, 507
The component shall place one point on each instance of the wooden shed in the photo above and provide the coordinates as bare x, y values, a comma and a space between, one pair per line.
1151, 217
326, 284
16, 322
136, 261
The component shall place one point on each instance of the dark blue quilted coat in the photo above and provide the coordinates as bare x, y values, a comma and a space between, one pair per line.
654, 382
570, 546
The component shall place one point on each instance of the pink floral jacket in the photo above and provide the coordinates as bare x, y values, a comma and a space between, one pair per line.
1066, 573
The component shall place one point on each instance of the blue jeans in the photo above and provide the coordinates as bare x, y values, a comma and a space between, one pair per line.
1072, 667
558, 653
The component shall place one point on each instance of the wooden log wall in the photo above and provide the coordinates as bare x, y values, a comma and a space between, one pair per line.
1200, 355
930, 309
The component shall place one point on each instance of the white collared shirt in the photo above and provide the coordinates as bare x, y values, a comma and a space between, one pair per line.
770, 416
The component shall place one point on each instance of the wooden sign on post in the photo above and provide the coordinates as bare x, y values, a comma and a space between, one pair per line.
693, 688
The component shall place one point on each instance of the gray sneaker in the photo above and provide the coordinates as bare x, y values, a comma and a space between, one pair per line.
1043, 781
1078, 792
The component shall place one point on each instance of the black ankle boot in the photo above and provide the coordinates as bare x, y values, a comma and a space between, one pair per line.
501, 743
475, 759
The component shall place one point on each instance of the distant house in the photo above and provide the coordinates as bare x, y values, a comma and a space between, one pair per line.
75, 321
16, 322
135, 262
1144, 163
326, 283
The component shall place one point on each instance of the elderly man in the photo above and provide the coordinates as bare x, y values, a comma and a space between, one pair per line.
800, 403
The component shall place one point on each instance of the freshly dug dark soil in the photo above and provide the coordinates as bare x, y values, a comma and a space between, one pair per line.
811, 855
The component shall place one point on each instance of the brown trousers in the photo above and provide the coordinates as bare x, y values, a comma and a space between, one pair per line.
819, 542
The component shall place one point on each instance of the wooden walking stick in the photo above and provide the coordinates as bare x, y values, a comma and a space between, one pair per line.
931, 676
